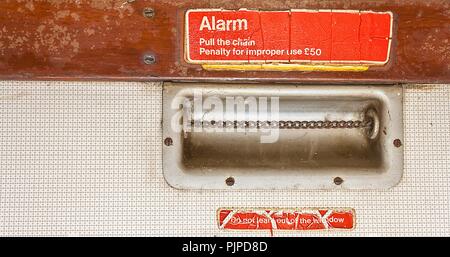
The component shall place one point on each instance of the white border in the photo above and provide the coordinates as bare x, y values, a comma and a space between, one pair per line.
189, 60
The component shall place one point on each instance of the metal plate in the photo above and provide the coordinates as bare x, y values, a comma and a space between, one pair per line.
199, 154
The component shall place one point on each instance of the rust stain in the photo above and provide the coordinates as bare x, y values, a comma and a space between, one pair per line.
423, 87
12, 97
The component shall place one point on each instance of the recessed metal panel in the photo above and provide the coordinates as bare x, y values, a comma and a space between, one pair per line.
219, 136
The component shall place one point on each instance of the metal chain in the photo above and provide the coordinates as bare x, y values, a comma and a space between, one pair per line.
284, 124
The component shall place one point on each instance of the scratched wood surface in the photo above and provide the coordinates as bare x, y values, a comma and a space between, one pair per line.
106, 40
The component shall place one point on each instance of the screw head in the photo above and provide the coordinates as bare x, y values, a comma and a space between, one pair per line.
148, 12
397, 142
229, 181
168, 141
338, 180
149, 59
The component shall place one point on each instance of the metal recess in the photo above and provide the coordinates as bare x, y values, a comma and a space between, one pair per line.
222, 136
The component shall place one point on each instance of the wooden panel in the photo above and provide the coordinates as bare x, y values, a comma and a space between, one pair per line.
106, 40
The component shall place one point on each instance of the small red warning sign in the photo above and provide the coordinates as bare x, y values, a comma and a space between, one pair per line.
305, 36
303, 219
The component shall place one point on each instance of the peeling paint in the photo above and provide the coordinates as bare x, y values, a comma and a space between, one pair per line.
75, 16
76, 46
29, 5
89, 31
62, 14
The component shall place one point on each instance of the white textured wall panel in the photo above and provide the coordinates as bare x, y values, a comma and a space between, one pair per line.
80, 158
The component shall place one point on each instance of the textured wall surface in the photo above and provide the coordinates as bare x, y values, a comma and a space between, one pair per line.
86, 159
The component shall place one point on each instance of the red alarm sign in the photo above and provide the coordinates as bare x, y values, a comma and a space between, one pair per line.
294, 36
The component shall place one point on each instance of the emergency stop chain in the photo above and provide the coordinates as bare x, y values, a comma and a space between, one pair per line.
350, 124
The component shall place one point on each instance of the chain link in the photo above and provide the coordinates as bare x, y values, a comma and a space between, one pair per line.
349, 124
